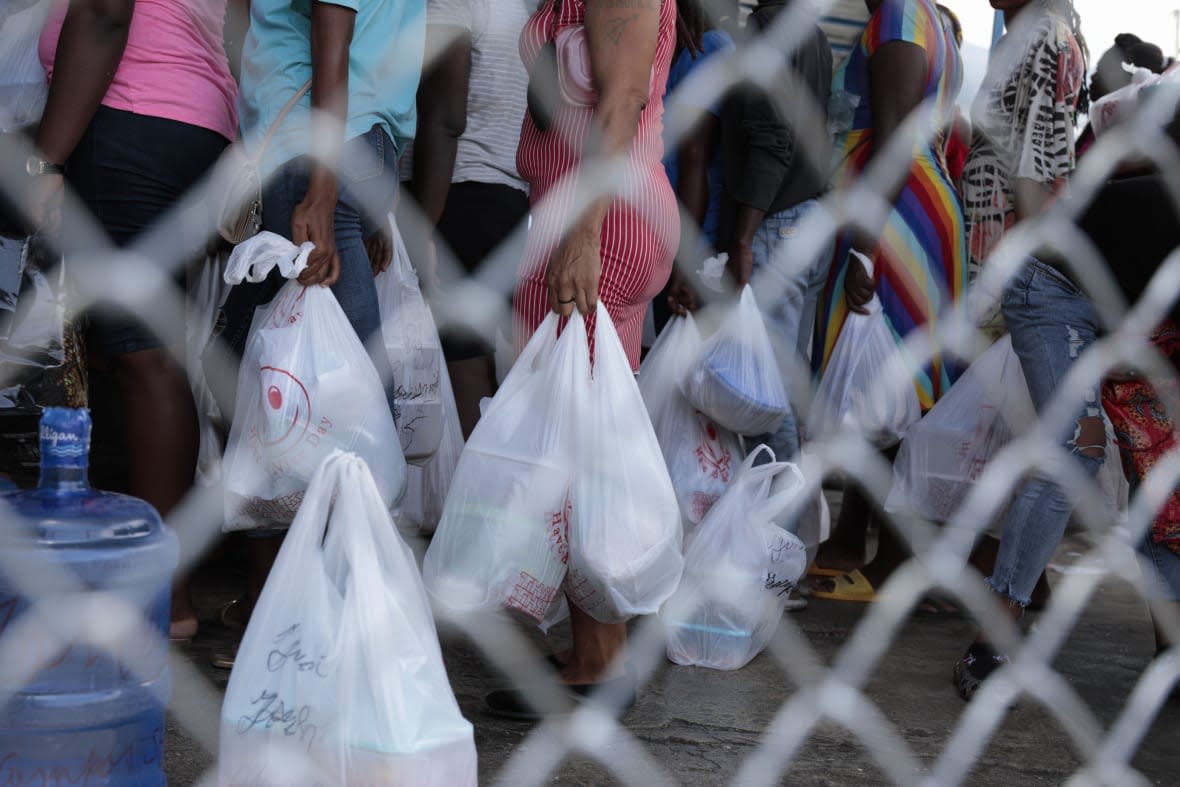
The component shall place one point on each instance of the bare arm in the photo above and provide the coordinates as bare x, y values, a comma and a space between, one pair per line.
313, 219
93, 37
442, 117
622, 36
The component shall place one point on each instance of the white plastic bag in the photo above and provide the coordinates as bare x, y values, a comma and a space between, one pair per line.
427, 486
865, 386
503, 537
339, 678
207, 291
23, 86
415, 352
737, 381
306, 387
739, 568
701, 455
1120, 105
944, 454
625, 531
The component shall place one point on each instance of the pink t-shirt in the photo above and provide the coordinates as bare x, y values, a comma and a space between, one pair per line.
174, 66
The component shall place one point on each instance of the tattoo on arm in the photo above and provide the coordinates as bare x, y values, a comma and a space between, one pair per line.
616, 27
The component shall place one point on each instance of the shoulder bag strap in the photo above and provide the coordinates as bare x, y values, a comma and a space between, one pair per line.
278, 121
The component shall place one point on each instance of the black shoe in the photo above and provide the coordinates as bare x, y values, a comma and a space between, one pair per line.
512, 704
980, 661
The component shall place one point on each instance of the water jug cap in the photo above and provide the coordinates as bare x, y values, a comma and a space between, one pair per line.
65, 437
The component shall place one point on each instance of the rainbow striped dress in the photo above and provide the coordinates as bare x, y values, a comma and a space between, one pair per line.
920, 262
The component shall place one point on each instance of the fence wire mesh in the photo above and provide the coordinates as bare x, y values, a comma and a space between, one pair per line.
143, 276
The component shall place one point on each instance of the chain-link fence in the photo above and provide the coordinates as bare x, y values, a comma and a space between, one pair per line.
827, 680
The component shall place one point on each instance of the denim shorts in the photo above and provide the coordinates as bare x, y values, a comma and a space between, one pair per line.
128, 170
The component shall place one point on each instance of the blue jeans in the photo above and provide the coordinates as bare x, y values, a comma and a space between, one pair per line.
367, 187
788, 291
1052, 322
1166, 564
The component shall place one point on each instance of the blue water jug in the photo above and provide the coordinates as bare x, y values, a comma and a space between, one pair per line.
71, 711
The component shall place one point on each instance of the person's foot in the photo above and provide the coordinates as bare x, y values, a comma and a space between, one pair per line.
835, 558
577, 672
875, 573
977, 664
183, 624
512, 704
183, 629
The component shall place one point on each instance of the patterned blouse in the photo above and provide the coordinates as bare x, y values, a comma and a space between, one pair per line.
1023, 120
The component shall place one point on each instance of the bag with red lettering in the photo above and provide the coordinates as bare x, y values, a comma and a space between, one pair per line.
339, 678
625, 533
740, 565
701, 455
306, 387
503, 540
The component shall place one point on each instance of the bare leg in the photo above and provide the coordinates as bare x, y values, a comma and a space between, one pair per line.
983, 559
845, 550
472, 379
597, 652
162, 442
263, 551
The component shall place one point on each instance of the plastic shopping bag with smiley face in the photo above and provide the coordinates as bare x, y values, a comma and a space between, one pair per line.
306, 387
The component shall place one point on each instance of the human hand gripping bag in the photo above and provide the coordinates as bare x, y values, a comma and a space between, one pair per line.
625, 533
503, 537
736, 380
339, 678
739, 568
415, 353
701, 455
306, 387
865, 386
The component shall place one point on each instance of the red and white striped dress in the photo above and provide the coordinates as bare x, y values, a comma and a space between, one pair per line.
642, 226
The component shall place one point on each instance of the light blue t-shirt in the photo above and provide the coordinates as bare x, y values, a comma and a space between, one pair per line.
385, 63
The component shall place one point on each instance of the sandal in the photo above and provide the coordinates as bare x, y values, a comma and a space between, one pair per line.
512, 704
224, 660
977, 664
938, 605
852, 586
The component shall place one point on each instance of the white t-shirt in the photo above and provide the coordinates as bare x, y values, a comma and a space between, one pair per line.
496, 92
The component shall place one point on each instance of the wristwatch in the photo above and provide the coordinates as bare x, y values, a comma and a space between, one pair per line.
35, 165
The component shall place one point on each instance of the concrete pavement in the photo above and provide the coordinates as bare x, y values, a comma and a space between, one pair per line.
700, 724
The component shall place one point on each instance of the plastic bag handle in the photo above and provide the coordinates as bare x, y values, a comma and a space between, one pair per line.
252, 260
325, 479
780, 500
401, 255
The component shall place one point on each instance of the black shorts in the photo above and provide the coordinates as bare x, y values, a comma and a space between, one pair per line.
130, 169
478, 217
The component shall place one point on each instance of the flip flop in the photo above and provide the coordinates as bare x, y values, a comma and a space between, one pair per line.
816, 570
511, 704
852, 586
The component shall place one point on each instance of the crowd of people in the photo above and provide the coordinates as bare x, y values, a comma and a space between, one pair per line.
489, 116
